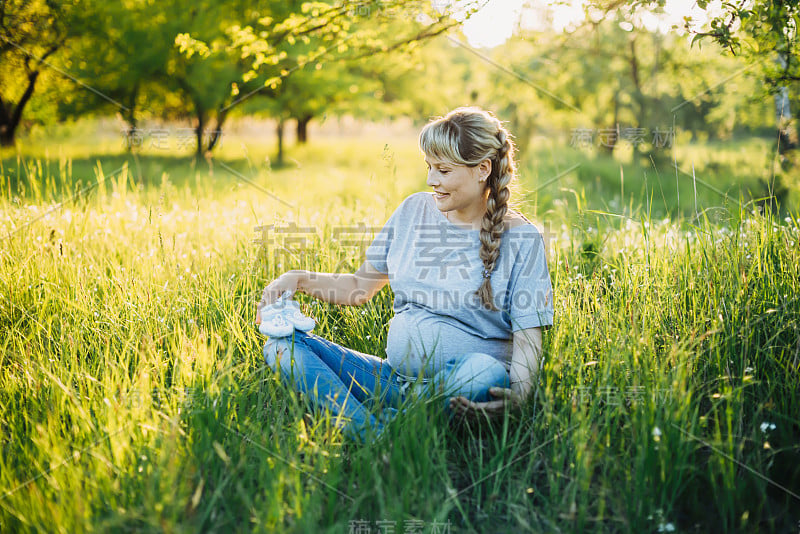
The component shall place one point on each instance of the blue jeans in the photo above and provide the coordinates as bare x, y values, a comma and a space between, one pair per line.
348, 383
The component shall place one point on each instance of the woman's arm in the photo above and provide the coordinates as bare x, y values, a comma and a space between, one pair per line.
352, 289
525, 359
525, 364
347, 289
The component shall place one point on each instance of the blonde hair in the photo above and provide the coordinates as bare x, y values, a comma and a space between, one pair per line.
468, 136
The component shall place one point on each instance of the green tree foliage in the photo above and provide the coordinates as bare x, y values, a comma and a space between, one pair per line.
134, 56
618, 81
31, 31
308, 54
761, 29
427, 81
120, 54
202, 59
764, 33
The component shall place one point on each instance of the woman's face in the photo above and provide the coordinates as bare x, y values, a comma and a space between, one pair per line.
458, 188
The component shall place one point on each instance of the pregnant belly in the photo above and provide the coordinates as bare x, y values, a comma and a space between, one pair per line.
422, 342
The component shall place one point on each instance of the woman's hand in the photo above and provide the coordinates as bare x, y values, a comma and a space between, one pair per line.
479, 411
288, 281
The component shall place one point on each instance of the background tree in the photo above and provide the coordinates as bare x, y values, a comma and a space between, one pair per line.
31, 31
121, 53
430, 79
764, 33
297, 40
618, 82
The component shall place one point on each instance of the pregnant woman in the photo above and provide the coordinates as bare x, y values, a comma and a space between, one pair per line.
471, 287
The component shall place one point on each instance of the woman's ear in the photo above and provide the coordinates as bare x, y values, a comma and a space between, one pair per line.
484, 169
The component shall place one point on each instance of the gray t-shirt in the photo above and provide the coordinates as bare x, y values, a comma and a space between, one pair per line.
434, 270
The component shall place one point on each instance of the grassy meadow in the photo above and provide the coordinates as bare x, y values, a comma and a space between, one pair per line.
134, 396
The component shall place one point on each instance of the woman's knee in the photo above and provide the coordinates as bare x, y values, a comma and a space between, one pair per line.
285, 355
471, 375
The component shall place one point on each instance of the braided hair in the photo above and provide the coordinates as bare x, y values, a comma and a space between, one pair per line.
468, 136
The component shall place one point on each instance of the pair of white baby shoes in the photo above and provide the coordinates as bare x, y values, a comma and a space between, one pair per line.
283, 317
279, 320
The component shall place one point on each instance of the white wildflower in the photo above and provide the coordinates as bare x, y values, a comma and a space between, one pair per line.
766, 427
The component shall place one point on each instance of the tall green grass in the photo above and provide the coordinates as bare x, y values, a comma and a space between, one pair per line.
133, 394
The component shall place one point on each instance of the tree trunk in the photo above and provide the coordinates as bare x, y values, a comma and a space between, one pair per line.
129, 116
302, 128
215, 135
638, 95
279, 131
199, 111
11, 115
6, 138
5, 119
608, 137
523, 129
787, 137
201, 124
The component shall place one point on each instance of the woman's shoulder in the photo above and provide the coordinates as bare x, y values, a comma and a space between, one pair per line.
514, 220
415, 200
410, 207
418, 197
